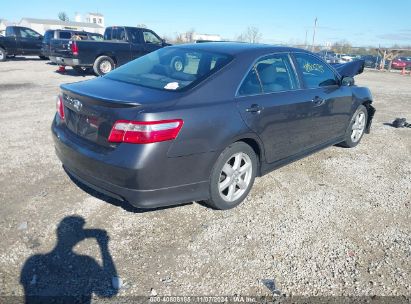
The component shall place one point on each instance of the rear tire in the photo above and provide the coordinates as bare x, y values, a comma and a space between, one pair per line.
232, 176
103, 65
3, 54
356, 128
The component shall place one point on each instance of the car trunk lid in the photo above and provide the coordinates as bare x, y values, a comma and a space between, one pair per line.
92, 107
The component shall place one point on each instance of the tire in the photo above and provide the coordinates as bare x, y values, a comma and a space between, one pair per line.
82, 70
44, 57
103, 65
177, 64
3, 54
358, 123
222, 177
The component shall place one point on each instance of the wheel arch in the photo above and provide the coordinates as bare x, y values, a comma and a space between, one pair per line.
370, 111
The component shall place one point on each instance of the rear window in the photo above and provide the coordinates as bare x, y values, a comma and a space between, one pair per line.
65, 35
172, 69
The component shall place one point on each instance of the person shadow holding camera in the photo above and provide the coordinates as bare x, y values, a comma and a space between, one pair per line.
63, 276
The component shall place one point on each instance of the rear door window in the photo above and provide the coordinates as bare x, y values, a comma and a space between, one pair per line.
107, 33
119, 34
271, 74
315, 72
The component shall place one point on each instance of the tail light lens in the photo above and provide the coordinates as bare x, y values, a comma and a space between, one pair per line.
74, 48
144, 132
60, 106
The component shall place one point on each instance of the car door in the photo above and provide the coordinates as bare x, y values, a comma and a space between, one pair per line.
151, 41
273, 105
135, 37
30, 41
331, 102
121, 49
11, 40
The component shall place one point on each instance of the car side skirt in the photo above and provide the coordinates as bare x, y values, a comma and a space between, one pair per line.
268, 167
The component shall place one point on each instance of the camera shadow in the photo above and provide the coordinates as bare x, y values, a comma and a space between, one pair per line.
63, 276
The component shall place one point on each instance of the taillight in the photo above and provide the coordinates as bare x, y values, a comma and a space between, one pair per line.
144, 132
74, 48
60, 106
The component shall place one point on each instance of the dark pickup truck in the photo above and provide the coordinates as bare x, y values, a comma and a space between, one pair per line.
120, 45
54, 40
20, 41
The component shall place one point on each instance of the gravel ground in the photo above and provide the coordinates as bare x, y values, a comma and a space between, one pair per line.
334, 224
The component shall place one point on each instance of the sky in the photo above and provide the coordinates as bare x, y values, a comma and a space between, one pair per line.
360, 22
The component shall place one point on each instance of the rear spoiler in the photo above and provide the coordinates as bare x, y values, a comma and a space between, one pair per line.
350, 69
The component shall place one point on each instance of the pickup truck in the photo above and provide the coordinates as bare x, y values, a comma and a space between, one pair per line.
55, 39
20, 41
120, 45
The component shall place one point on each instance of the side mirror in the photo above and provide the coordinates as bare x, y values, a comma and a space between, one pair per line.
347, 81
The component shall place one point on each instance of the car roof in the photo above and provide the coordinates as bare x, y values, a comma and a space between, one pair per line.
237, 48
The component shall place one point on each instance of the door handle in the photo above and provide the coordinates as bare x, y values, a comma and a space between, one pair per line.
254, 108
318, 101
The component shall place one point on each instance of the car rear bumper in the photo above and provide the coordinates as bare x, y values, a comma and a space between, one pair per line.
66, 61
145, 187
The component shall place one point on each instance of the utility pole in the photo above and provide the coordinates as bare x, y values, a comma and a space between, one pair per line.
306, 41
315, 27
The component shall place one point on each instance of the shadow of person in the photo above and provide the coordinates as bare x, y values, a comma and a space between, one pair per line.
63, 276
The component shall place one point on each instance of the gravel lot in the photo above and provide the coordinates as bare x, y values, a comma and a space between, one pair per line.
335, 223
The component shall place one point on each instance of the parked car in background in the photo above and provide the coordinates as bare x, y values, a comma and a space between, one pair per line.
371, 61
120, 45
20, 41
328, 56
343, 58
156, 134
398, 64
54, 40
407, 61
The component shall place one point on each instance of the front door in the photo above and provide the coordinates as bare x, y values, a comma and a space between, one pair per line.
331, 102
29, 41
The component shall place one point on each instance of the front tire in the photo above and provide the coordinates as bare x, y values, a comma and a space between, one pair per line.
232, 176
3, 54
356, 128
103, 65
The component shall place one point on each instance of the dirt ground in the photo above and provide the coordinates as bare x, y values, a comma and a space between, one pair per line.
336, 223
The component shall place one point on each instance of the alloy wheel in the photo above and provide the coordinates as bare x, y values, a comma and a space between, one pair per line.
105, 66
235, 177
358, 127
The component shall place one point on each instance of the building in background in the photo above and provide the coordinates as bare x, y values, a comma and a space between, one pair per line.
42, 25
209, 37
193, 36
96, 18
3, 24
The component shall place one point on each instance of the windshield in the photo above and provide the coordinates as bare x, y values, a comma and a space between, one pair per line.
170, 68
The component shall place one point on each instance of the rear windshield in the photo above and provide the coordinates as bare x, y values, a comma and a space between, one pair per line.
170, 68
65, 35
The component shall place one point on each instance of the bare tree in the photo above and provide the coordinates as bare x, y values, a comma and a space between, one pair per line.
63, 16
252, 34
190, 35
141, 25
342, 47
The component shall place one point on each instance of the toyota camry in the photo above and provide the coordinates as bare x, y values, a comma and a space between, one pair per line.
198, 122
